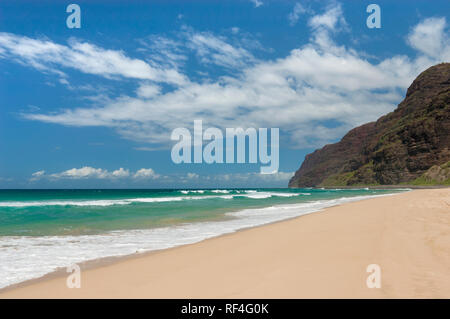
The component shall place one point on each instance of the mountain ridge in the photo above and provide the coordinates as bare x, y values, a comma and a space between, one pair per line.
398, 148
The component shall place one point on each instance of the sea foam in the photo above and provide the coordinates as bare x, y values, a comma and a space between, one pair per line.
105, 202
27, 257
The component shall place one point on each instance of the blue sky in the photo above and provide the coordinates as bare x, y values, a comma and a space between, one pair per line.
95, 106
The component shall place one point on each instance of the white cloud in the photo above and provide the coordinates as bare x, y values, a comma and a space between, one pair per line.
315, 83
88, 172
164, 51
192, 176
430, 37
255, 179
148, 91
83, 172
276, 177
279, 176
85, 57
37, 175
249, 179
210, 49
257, 3
329, 19
120, 173
295, 14
146, 173
215, 50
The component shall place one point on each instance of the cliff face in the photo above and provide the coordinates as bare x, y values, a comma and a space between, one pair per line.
398, 148
436, 175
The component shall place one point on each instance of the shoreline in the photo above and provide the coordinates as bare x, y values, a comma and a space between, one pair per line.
108, 260
96, 267
381, 187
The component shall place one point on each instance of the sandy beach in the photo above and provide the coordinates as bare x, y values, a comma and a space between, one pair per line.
320, 255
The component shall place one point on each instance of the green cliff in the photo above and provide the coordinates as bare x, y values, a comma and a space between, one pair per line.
410, 145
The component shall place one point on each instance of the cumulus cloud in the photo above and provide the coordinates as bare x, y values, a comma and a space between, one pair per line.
120, 173
146, 173
143, 175
430, 37
83, 172
318, 83
88, 172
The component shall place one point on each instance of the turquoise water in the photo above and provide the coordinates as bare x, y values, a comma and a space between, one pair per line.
81, 212
41, 230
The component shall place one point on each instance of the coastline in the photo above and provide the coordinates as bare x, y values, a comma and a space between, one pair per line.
105, 261
180, 272
386, 187
63, 251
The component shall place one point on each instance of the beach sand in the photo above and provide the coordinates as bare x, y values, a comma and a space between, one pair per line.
320, 255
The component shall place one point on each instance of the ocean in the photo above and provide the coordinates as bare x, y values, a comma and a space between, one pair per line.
43, 230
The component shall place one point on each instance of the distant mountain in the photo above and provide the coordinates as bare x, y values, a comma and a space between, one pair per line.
401, 147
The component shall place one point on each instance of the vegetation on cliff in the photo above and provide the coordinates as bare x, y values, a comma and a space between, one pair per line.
401, 147
436, 175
